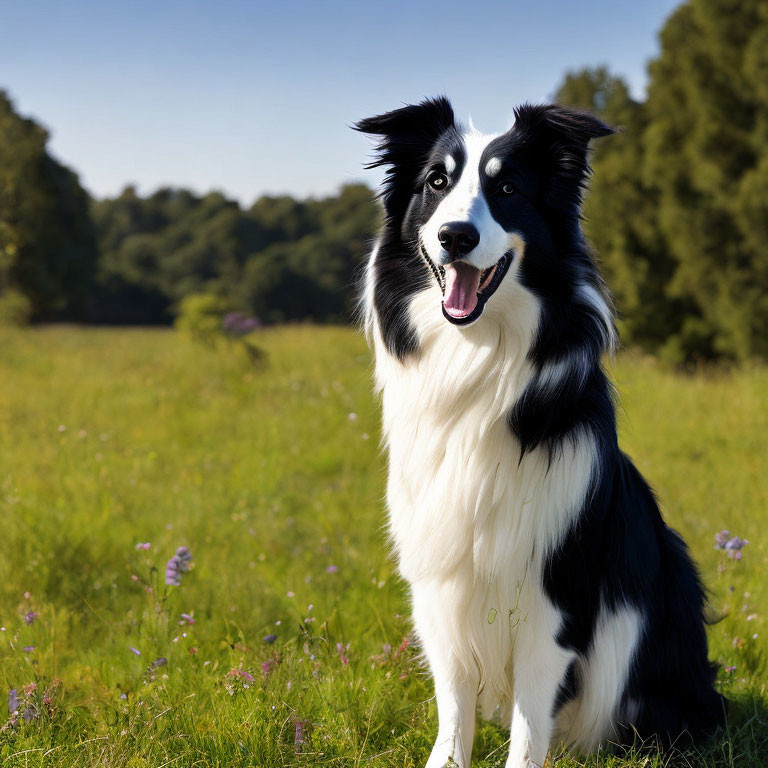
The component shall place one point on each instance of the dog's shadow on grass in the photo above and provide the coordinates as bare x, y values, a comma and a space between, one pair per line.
743, 743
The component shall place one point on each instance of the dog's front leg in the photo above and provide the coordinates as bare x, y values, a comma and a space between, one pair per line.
540, 665
453, 670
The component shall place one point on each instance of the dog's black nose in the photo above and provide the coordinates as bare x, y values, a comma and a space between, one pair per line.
458, 238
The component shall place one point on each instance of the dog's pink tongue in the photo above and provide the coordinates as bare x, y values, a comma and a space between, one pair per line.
461, 283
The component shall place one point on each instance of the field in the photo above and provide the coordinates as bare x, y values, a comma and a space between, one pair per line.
286, 643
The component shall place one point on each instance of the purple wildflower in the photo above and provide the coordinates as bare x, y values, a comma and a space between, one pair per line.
29, 714
247, 676
177, 565
30, 617
187, 618
340, 648
730, 669
13, 700
731, 545
29, 648
144, 545
134, 650
300, 736
332, 569
269, 639
239, 324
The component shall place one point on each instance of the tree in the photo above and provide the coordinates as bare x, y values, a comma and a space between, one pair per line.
47, 244
281, 259
706, 151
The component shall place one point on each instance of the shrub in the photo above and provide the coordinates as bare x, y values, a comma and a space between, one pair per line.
15, 308
200, 317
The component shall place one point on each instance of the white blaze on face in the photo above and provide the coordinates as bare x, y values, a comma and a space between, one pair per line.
466, 202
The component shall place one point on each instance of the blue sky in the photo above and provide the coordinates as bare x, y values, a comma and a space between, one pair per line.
253, 98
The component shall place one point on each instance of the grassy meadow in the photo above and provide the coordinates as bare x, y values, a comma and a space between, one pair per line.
286, 643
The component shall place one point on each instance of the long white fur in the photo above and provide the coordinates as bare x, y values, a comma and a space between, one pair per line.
472, 523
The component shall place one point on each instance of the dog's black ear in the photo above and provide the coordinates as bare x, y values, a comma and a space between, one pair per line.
408, 134
560, 137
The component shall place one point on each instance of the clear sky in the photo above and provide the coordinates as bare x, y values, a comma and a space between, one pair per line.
255, 97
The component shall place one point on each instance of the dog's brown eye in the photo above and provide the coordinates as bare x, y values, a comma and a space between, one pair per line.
507, 189
437, 180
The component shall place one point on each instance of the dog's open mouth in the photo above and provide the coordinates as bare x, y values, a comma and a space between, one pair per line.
465, 288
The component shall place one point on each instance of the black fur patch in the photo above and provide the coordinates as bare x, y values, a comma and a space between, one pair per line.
621, 553
411, 136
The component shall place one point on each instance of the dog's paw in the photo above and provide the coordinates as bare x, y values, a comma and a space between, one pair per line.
441, 760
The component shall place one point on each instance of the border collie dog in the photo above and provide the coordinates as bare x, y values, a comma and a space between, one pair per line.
546, 587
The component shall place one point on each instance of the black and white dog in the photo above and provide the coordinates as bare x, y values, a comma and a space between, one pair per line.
545, 585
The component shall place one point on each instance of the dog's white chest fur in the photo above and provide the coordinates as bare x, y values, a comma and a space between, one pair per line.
470, 520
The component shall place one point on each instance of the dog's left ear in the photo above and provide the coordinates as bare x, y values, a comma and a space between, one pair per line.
407, 136
559, 138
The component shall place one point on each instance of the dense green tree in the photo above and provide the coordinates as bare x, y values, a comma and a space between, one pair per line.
706, 151
47, 244
678, 209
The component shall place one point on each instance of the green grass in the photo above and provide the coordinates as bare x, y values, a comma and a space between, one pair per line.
109, 438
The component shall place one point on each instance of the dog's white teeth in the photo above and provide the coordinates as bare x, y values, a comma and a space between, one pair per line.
487, 277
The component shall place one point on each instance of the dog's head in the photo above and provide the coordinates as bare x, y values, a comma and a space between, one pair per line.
469, 205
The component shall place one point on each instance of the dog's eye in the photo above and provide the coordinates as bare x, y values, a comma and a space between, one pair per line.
507, 189
437, 180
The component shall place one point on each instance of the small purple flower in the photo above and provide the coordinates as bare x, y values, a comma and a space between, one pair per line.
13, 700
29, 714
734, 546
340, 648
144, 545
239, 324
730, 669
187, 618
178, 565
731, 545
332, 569
300, 736
30, 617
29, 648
134, 650
241, 673
269, 639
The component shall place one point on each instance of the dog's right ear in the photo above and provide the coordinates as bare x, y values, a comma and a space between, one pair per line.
408, 134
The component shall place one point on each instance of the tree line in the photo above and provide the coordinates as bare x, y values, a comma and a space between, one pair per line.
677, 212
131, 259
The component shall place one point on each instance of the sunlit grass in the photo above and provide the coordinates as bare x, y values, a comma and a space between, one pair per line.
271, 474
